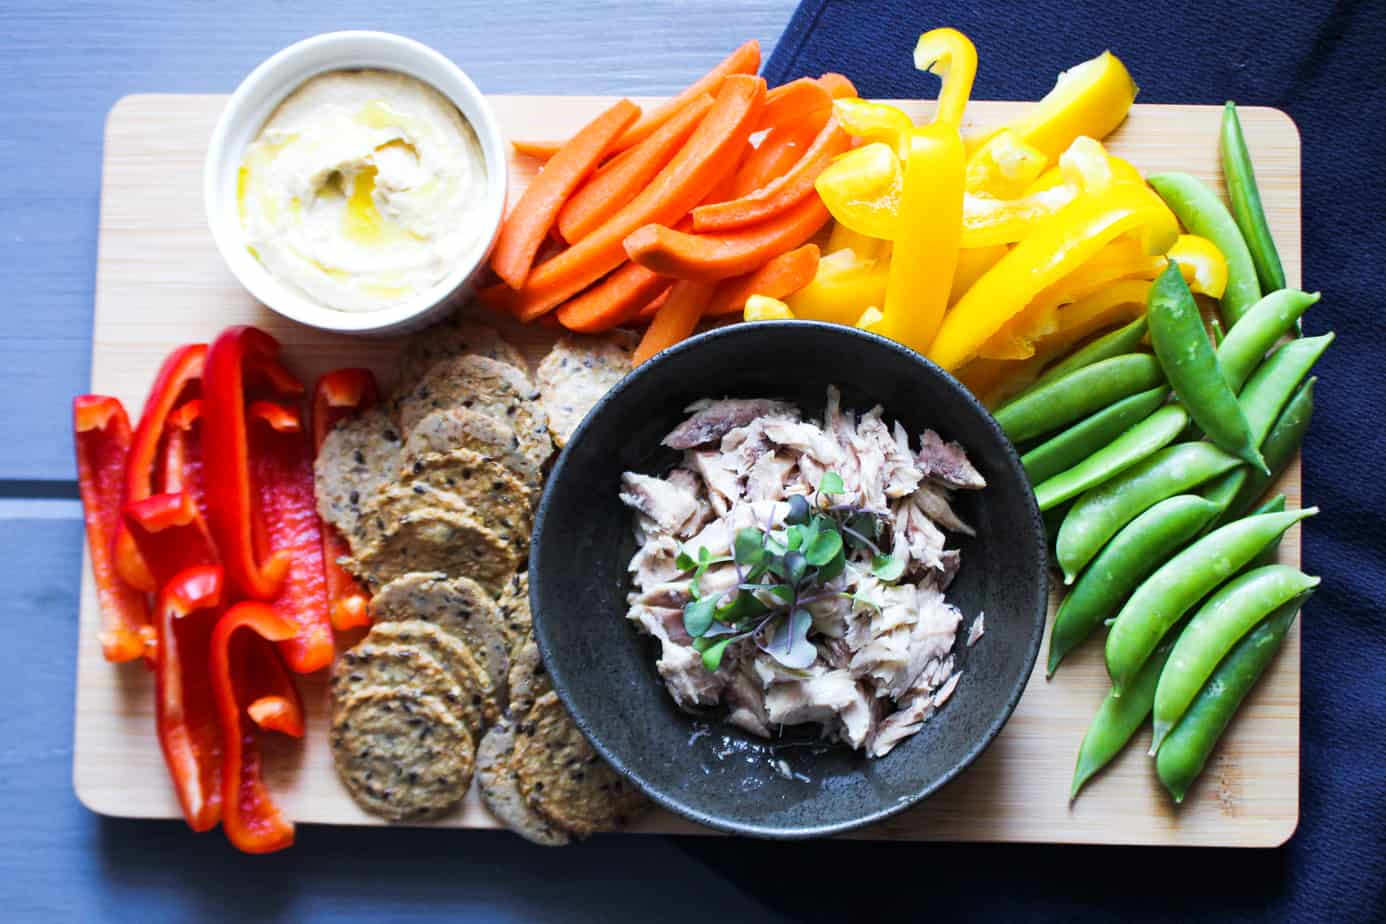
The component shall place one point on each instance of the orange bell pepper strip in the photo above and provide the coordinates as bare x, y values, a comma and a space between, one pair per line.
101, 432
528, 223
1059, 244
622, 177
251, 820
336, 396
780, 194
708, 156
744, 61
184, 709
925, 255
952, 56
675, 319
782, 276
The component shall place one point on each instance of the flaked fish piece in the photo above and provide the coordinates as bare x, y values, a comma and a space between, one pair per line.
803, 437
653, 563
668, 505
947, 463
714, 419
680, 667
976, 630
935, 502
723, 484
768, 479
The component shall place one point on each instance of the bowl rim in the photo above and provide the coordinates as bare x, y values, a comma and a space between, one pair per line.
257, 97
708, 340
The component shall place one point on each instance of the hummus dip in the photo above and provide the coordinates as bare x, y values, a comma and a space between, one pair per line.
361, 190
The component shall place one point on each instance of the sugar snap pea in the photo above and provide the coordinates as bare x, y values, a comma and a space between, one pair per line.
1137, 550
1185, 752
1272, 385
1279, 448
1191, 365
1242, 192
1098, 514
1139, 442
1071, 446
1165, 596
1264, 323
1117, 719
1123, 340
1215, 332
1078, 393
1218, 625
1200, 210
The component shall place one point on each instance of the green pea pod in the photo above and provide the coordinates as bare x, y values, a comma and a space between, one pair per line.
1215, 332
1165, 596
1098, 514
1141, 441
1264, 323
1279, 448
1185, 752
1141, 547
1271, 386
1191, 365
1117, 720
1077, 394
1123, 340
1223, 490
1071, 446
1242, 192
1228, 615
1200, 210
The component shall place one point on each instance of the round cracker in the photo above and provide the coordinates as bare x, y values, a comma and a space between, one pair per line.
402, 754
529, 680
564, 779
436, 539
357, 456
478, 692
500, 789
452, 338
458, 606
498, 499
463, 428
575, 375
373, 663
485, 385
515, 615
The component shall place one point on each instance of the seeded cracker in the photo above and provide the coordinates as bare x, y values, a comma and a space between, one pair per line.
485, 385
478, 694
401, 754
458, 606
564, 779
515, 615
529, 680
372, 663
433, 539
359, 455
463, 428
575, 375
452, 338
499, 500
500, 789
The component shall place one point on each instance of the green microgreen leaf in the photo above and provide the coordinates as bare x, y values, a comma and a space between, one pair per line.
789, 642
740, 608
831, 484
685, 562
698, 616
825, 546
795, 564
749, 546
798, 510
712, 655
887, 567
833, 568
794, 537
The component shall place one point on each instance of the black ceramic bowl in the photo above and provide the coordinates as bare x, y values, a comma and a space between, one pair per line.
605, 672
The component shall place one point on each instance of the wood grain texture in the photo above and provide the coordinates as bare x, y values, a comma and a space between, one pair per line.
160, 282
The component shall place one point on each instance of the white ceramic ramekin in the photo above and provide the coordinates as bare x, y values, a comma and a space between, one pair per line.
258, 96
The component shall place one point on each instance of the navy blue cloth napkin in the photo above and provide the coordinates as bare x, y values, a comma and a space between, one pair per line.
1323, 64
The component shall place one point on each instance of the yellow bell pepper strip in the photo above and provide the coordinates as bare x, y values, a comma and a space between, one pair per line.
873, 121
972, 263
869, 318
863, 245
1202, 264
952, 56
765, 308
1058, 245
925, 255
862, 189
1005, 168
844, 284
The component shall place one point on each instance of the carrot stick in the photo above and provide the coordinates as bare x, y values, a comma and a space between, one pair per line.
780, 194
622, 177
778, 151
613, 301
795, 102
654, 304
838, 86
744, 60
675, 319
529, 221
707, 257
699, 166
784, 275
540, 150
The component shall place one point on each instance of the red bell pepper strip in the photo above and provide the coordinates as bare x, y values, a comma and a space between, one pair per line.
170, 534
281, 463
178, 375
274, 701
101, 434
336, 396
180, 465
253, 823
185, 710
238, 355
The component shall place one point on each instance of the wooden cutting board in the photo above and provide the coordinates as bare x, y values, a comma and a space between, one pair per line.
160, 283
